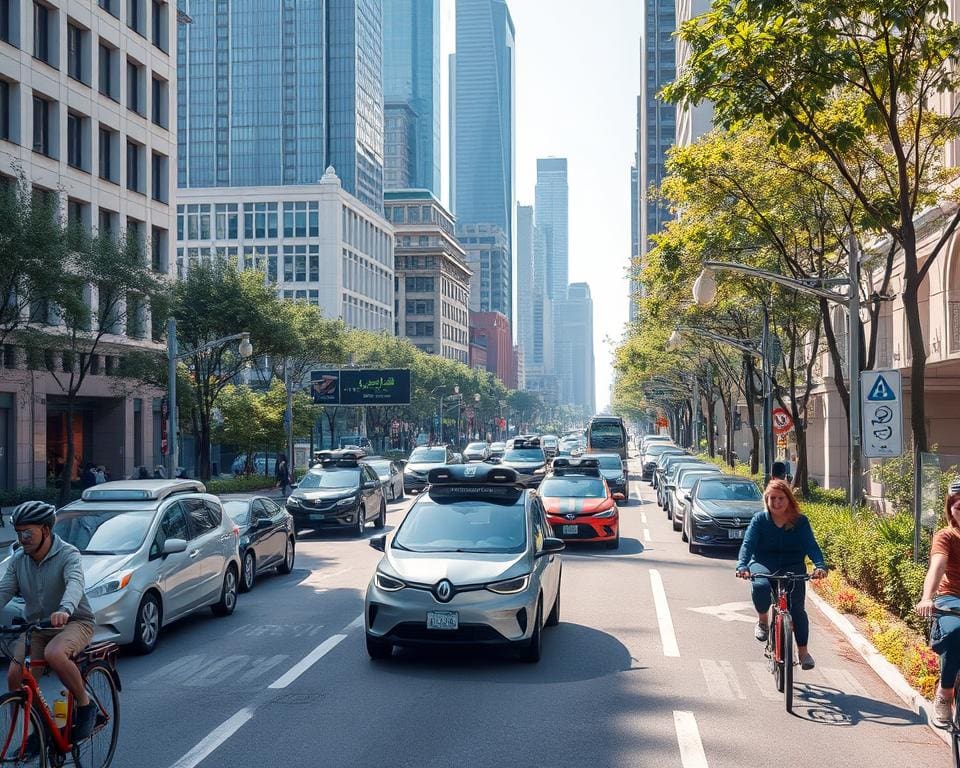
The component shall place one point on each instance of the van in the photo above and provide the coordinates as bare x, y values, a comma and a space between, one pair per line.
606, 433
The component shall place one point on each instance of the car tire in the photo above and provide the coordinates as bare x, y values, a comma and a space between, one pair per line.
248, 571
534, 650
228, 594
400, 497
361, 524
378, 649
381, 520
390, 494
677, 525
289, 556
146, 628
554, 617
694, 548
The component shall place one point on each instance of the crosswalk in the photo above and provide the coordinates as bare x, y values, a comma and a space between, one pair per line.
742, 680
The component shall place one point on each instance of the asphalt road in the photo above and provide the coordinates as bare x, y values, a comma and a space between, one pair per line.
634, 675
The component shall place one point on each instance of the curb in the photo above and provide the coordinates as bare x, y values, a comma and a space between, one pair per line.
884, 669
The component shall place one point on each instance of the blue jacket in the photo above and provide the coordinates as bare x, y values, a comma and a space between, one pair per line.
779, 549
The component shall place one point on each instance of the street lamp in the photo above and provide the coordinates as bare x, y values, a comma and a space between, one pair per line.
705, 288
246, 350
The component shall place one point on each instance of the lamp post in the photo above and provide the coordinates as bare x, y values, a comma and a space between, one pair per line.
705, 288
246, 350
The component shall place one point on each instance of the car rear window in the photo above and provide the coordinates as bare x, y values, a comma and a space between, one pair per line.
573, 487
729, 490
423, 455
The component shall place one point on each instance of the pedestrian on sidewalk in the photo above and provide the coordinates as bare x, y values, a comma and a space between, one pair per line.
283, 475
941, 589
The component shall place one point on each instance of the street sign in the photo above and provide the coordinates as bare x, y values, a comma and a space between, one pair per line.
361, 386
782, 422
882, 410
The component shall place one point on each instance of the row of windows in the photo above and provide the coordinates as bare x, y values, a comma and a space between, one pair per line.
366, 237
364, 277
358, 313
456, 333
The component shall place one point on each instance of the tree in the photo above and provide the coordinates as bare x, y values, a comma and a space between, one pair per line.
861, 82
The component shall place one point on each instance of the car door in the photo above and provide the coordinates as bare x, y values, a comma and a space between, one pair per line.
547, 565
396, 479
177, 573
259, 533
207, 546
275, 539
370, 491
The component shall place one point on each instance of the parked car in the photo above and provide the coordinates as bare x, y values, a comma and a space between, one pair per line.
476, 452
421, 461
262, 464
474, 562
651, 454
674, 463
267, 537
686, 479
390, 475
154, 551
342, 493
720, 509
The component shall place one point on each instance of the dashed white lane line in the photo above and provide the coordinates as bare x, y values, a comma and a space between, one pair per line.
307, 661
722, 682
646, 534
667, 636
643, 518
355, 624
688, 737
216, 737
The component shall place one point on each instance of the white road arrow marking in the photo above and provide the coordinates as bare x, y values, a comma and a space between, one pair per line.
730, 611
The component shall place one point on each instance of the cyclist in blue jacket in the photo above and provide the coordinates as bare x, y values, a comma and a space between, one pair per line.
777, 541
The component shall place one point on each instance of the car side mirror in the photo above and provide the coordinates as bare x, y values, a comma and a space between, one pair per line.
172, 546
551, 546
261, 522
494, 460
294, 485
379, 543
372, 484
687, 497
619, 497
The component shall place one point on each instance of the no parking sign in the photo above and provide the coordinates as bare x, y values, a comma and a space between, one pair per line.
782, 422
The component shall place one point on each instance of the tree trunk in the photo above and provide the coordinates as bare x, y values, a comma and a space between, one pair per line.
203, 438
711, 423
67, 476
752, 416
836, 358
728, 422
918, 363
801, 477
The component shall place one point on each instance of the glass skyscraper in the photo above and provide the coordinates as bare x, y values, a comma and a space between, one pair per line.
411, 94
482, 106
271, 92
552, 203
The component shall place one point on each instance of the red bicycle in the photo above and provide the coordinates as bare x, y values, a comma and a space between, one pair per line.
779, 650
29, 733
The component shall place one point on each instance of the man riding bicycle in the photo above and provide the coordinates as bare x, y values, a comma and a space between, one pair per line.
47, 573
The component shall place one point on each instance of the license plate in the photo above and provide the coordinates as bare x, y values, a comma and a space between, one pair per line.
317, 517
570, 529
443, 620
735, 533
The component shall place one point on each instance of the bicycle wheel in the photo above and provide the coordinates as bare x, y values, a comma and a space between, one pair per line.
776, 634
97, 751
13, 711
787, 660
955, 740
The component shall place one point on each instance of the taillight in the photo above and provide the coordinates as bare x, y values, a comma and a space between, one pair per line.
236, 531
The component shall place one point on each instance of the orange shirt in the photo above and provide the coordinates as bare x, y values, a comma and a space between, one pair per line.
947, 542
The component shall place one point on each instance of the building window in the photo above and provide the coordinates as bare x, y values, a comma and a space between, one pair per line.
7, 23
159, 177
259, 220
108, 161
301, 218
159, 26
134, 166
109, 77
76, 46
110, 6
158, 98
43, 112
158, 250
107, 221
227, 221
137, 17
44, 24
135, 94
6, 119
76, 125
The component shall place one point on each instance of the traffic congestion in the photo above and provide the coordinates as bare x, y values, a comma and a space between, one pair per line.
379, 599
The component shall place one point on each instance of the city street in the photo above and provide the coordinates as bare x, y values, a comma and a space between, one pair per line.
653, 664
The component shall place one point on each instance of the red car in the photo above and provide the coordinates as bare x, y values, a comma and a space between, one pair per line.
579, 504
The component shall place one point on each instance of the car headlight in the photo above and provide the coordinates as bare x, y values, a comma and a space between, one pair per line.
293, 501
388, 583
347, 502
510, 586
609, 512
113, 584
701, 517
540, 471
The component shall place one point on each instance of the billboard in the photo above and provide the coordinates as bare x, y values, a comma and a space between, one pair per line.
361, 386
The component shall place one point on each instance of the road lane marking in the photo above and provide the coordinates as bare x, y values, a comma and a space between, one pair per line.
261, 666
215, 738
355, 624
760, 672
722, 682
643, 518
844, 681
307, 661
688, 737
730, 611
667, 636
646, 534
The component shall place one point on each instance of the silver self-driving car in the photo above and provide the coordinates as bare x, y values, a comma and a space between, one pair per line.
474, 563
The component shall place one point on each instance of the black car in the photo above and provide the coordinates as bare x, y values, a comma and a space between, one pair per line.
267, 537
614, 471
422, 460
721, 507
340, 493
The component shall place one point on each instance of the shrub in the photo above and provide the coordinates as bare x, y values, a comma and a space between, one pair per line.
239, 484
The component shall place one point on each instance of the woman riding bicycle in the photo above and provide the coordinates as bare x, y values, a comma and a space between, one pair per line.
941, 589
776, 541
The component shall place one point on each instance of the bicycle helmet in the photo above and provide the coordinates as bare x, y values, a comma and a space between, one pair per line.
34, 513
954, 487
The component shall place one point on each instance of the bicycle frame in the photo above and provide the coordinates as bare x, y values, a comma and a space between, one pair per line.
780, 607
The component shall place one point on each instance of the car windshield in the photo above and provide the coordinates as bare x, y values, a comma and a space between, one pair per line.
656, 449
100, 532
729, 490
239, 511
610, 462
524, 454
476, 447
571, 486
465, 525
382, 468
689, 479
427, 455
345, 477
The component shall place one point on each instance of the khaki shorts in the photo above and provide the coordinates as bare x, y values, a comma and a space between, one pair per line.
75, 634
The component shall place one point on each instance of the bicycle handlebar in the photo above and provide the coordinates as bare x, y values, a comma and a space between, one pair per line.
780, 576
9, 629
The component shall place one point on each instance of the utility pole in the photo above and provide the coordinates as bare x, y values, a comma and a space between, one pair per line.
853, 369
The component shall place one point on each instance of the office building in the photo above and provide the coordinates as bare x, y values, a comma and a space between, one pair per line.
272, 93
575, 367
314, 242
482, 117
87, 110
411, 94
691, 121
491, 332
633, 264
551, 206
526, 235
488, 256
432, 280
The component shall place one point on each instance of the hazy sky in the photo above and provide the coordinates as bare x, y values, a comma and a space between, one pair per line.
578, 77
